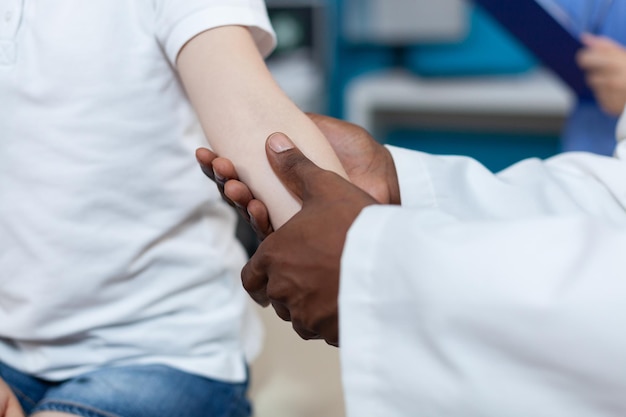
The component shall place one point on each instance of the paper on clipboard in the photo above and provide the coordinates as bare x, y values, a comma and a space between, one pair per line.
546, 34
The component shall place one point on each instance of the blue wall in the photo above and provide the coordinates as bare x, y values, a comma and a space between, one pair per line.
487, 49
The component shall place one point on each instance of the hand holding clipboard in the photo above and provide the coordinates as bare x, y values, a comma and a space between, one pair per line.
543, 35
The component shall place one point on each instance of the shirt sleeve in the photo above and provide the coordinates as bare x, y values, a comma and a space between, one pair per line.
464, 188
179, 21
472, 312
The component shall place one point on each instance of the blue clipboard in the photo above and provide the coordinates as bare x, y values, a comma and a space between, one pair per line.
544, 36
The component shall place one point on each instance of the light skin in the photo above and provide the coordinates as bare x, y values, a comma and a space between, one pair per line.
239, 105
304, 288
368, 164
9, 405
296, 269
604, 63
51, 414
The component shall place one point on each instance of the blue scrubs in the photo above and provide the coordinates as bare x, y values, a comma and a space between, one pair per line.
588, 128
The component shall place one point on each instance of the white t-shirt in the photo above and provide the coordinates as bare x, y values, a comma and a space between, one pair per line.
489, 295
114, 248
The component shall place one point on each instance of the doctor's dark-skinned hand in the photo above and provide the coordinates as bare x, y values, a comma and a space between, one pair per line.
369, 166
296, 268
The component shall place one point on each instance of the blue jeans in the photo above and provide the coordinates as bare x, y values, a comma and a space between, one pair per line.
130, 391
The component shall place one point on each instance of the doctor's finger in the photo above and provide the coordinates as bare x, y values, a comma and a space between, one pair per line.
326, 328
239, 194
259, 219
205, 159
259, 297
224, 169
254, 278
294, 169
303, 332
223, 187
281, 311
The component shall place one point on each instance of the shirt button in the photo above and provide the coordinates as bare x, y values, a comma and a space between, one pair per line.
8, 16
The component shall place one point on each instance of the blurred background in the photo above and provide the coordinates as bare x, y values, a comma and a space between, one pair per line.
439, 76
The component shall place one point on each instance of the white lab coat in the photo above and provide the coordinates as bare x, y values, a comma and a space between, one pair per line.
489, 295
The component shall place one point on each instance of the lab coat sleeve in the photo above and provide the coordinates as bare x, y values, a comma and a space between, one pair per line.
461, 186
479, 313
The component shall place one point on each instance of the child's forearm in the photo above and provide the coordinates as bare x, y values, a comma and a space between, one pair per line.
240, 105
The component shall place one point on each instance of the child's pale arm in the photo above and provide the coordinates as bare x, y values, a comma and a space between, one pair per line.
239, 105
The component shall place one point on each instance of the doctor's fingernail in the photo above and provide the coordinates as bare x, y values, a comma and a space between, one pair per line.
279, 142
218, 177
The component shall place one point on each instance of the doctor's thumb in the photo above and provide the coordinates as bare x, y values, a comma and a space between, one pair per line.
294, 169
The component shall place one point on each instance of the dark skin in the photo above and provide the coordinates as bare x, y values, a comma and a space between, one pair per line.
369, 166
296, 268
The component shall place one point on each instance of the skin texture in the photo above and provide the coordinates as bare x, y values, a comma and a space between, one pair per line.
9, 405
239, 105
296, 268
604, 63
368, 164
